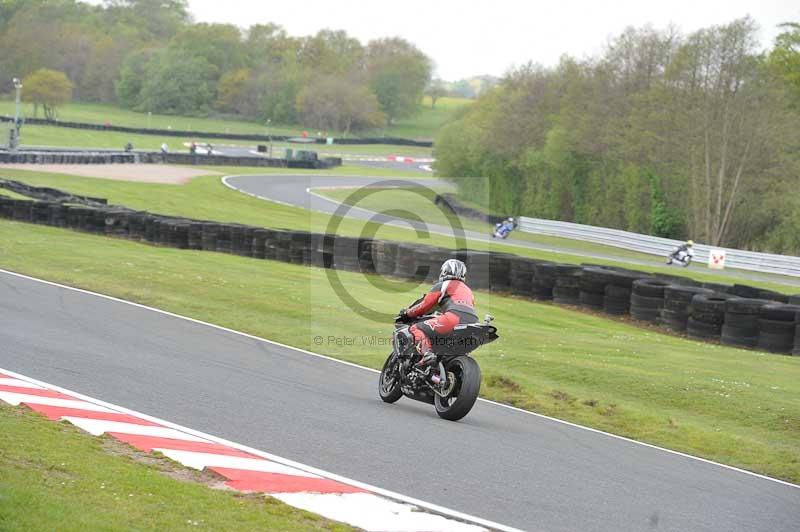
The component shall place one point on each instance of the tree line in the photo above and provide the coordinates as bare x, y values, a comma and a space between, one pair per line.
148, 55
683, 136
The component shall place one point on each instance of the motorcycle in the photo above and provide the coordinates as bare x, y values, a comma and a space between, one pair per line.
680, 257
502, 230
451, 383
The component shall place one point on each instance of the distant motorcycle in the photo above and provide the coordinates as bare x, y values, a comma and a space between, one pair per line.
503, 229
452, 383
680, 257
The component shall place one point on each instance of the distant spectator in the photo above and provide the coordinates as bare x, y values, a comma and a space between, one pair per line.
193, 148
128, 147
209, 149
164, 147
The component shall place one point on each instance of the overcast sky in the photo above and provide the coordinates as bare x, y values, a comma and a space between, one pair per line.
466, 38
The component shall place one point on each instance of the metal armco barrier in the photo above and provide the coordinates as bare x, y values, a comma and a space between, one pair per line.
736, 258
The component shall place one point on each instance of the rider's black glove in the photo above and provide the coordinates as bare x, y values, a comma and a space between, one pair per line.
403, 314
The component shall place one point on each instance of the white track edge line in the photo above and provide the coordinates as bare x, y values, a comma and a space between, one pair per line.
304, 351
269, 456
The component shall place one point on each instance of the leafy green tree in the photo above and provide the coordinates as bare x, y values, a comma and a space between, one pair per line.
48, 88
333, 104
435, 90
178, 84
398, 73
785, 57
219, 44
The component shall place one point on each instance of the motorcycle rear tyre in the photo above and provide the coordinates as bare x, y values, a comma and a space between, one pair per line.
392, 394
467, 388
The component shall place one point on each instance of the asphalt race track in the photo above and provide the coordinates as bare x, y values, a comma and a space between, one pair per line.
511, 467
293, 190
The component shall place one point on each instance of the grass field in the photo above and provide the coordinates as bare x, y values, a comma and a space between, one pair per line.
735, 406
55, 477
423, 125
206, 198
51, 136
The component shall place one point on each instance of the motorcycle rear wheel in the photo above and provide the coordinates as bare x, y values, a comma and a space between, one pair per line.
389, 386
459, 402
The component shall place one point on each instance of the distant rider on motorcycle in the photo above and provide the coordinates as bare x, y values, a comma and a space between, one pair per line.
503, 228
683, 252
454, 298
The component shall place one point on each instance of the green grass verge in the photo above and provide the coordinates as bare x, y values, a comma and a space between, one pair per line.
55, 477
424, 124
206, 198
51, 136
734, 406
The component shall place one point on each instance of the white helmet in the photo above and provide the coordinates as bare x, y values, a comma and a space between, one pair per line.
510, 219
690, 243
453, 269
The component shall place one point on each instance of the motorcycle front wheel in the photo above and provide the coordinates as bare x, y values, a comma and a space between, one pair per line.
389, 382
466, 374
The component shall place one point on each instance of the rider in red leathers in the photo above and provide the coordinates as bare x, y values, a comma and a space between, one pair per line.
453, 298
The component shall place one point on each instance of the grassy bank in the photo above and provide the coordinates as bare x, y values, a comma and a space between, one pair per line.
51, 136
735, 406
424, 124
55, 477
206, 198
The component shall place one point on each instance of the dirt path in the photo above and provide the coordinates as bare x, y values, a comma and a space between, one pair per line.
144, 173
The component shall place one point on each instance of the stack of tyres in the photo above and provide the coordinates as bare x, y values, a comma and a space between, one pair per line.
271, 244
593, 282
247, 247
97, 223
195, 235
794, 300
500, 272
346, 253
741, 321
677, 303
57, 218
258, 249
429, 262
567, 290
165, 231
367, 255
796, 349
706, 316
321, 250
22, 210
776, 327
619, 285
225, 238
236, 238
209, 236
384, 257
116, 222
478, 268
521, 272
300, 247
136, 225
406, 265
283, 244
41, 212
151, 228
647, 299
543, 281
6, 207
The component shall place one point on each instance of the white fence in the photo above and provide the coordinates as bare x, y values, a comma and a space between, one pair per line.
744, 260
